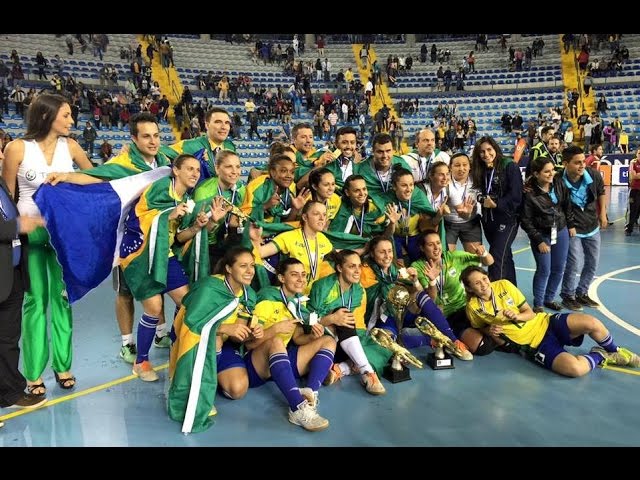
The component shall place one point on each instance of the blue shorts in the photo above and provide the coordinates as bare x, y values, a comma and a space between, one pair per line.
555, 339
256, 380
176, 277
229, 357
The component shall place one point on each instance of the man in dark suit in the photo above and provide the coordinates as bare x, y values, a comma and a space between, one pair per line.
14, 279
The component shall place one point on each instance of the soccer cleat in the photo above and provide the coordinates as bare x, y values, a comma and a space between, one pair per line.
162, 342
372, 384
307, 417
129, 353
333, 376
461, 351
145, 371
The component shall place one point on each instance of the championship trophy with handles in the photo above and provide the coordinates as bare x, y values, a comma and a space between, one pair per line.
440, 359
397, 300
242, 217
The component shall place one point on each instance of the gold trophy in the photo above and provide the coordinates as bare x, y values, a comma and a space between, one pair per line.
398, 298
438, 360
242, 217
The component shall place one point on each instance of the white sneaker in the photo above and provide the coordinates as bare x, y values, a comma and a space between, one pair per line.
372, 384
307, 417
145, 371
310, 396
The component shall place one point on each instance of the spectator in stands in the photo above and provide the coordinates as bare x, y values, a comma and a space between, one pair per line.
89, 136
602, 106
499, 181
25, 166
106, 151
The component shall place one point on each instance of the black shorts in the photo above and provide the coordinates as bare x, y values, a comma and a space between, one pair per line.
120, 283
470, 231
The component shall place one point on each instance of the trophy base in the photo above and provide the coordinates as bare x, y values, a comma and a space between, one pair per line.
440, 363
396, 376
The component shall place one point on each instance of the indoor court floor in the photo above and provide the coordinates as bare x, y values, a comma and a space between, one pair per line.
497, 400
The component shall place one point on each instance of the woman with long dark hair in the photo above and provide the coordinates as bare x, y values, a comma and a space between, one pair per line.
499, 181
45, 148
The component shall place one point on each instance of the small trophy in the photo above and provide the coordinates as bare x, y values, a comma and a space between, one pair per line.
438, 360
242, 217
397, 300
400, 354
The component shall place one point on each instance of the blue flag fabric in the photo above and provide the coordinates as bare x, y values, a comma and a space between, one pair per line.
85, 223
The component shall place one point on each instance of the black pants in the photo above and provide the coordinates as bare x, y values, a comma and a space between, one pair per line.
12, 383
634, 210
500, 238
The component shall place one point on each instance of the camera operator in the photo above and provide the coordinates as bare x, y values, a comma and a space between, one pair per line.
499, 181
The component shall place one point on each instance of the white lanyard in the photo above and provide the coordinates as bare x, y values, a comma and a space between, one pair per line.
313, 261
245, 295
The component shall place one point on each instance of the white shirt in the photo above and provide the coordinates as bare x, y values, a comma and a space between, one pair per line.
420, 165
34, 169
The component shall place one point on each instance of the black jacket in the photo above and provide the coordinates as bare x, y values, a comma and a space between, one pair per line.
506, 190
539, 213
7, 234
586, 220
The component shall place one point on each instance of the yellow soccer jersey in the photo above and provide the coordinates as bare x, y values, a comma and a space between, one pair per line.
333, 205
506, 296
292, 243
270, 312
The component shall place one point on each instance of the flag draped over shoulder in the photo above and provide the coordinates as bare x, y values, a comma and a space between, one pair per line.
194, 253
201, 149
144, 251
346, 222
125, 165
325, 297
192, 368
85, 223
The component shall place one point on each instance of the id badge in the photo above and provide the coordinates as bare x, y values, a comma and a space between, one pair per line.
554, 234
16, 242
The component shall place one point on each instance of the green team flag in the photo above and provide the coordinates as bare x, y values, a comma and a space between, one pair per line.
200, 148
144, 252
325, 297
375, 186
193, 372
125, 165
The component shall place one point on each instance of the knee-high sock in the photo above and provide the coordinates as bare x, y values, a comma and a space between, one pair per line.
429, 309
146, 332
318, 368
608, 344
280, 368
353, 348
